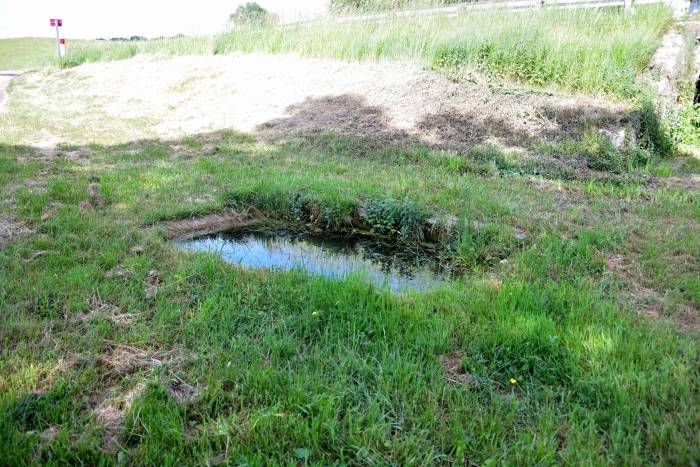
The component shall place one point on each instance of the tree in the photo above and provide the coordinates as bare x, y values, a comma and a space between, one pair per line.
250, 14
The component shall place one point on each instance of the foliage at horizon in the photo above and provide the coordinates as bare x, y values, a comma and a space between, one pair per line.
250, 14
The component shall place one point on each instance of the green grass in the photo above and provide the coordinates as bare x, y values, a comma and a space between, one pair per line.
686, 126
581, 348
31, 52
100, 311
586, 51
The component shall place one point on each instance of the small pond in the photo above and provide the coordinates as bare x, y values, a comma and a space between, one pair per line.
385, 263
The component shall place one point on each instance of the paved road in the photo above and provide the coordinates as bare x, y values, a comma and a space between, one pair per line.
5, 78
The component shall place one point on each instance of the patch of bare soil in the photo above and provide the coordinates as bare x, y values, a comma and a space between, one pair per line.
397, 103
121, 361
10, 231
649, 302
180, 390
49, 147
205, 225
689, 187
688, 318
453, 372
110, 409
102, 309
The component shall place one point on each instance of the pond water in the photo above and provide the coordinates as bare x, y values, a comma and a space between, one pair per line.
385, 263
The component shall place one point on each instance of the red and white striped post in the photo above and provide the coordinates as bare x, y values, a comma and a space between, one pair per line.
60, 43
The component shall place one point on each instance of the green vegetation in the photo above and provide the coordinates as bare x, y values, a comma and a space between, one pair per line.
361, 379
368, 5
388, 216
362, 6
252, 14
589, 51
686, 125
32, 52
689, 128
27, 52
571, 338
117, 346
558, 48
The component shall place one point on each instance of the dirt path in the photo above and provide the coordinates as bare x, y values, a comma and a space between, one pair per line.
5, 78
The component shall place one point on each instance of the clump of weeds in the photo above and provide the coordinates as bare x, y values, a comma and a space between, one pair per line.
405, 219
474, 246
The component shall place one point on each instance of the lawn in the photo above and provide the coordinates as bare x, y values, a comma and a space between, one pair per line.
573, 344
31, 52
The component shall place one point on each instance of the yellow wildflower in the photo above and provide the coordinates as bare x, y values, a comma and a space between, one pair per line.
314, 313
513, 381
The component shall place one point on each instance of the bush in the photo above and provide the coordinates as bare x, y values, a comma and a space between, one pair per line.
250, 14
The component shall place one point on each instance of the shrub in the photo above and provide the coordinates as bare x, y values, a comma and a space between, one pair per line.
250, 14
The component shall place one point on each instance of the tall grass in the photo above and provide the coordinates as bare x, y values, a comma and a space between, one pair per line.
597, 51
102, 51
361, 6
23, 53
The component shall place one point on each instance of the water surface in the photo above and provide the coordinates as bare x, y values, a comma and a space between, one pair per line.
384, 263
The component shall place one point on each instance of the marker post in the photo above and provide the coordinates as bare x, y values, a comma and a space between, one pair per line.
60, 43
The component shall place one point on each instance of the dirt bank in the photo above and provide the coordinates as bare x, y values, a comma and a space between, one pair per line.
285, 94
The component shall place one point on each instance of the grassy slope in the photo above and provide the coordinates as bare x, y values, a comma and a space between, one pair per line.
31, 52
591, 51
